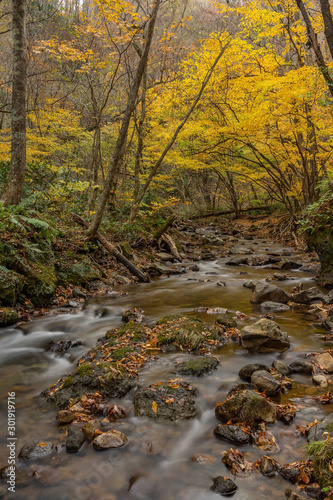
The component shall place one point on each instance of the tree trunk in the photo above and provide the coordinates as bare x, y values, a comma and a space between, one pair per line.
313, 40
15, 183
328, 22
175, 135
170, 220
112, 249
122, 137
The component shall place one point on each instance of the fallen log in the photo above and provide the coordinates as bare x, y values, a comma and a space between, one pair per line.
229, 212
172, 246
112, 249
170, 220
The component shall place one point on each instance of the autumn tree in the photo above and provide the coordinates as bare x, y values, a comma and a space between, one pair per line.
13, 190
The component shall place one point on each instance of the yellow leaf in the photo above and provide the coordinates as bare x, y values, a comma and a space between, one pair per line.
42, 444
154, 406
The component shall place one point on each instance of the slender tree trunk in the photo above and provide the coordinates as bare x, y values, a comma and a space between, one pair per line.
15, 184
328, 22
316, 47
175, 135
122, 137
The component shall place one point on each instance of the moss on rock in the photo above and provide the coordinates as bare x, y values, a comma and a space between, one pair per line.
78, 273
8, 317
197, 366
11, 285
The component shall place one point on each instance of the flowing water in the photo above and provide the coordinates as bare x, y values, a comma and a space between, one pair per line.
157, 463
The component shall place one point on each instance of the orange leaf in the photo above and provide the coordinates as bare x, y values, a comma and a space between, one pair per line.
42, 444
154, 406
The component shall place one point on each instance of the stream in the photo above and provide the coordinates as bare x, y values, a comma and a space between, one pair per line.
157, 463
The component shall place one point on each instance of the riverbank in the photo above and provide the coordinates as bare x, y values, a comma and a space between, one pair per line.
164, 459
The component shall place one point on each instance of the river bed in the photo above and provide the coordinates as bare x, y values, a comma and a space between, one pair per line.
157, 462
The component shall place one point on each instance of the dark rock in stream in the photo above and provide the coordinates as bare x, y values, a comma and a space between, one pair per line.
265, 382
264, 292
327, 324
233, 434
224, 486
274, 306
281, 367
246, 371
36, 450
246, 406
89, 428
197, 366
266, 466
236, 262
173, 400
159, 269
89, 378
301, 366
194, 268
8, 317
62, 346
264, 335
309, 296
75, 439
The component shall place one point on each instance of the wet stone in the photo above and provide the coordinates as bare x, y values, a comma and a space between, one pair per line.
233, 434
264, 336
281, 367
264, 292
224, 486
293, 495
274, 306
75, 439
246, 371
301, 366
266, 466
36, 450
89, 428
309, 296
320, 380
325, 360
65, 417
110, 439
171, 400
265, 382
246, 406
197, 367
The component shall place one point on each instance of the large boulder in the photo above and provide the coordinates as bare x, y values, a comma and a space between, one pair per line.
310, 295
170, 400
264, 292
78, 272
264, 335
11, 284
246, 406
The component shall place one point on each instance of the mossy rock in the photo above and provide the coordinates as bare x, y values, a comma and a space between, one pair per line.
121, 353
166, 401
132, 330
109, 379
188, 333
79, 273
11, 285
40, 284
8, 317
126, 250
227, 322
246, 406
197, 367
171, 317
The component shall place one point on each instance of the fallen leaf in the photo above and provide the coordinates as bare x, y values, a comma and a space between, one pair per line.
154, 406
